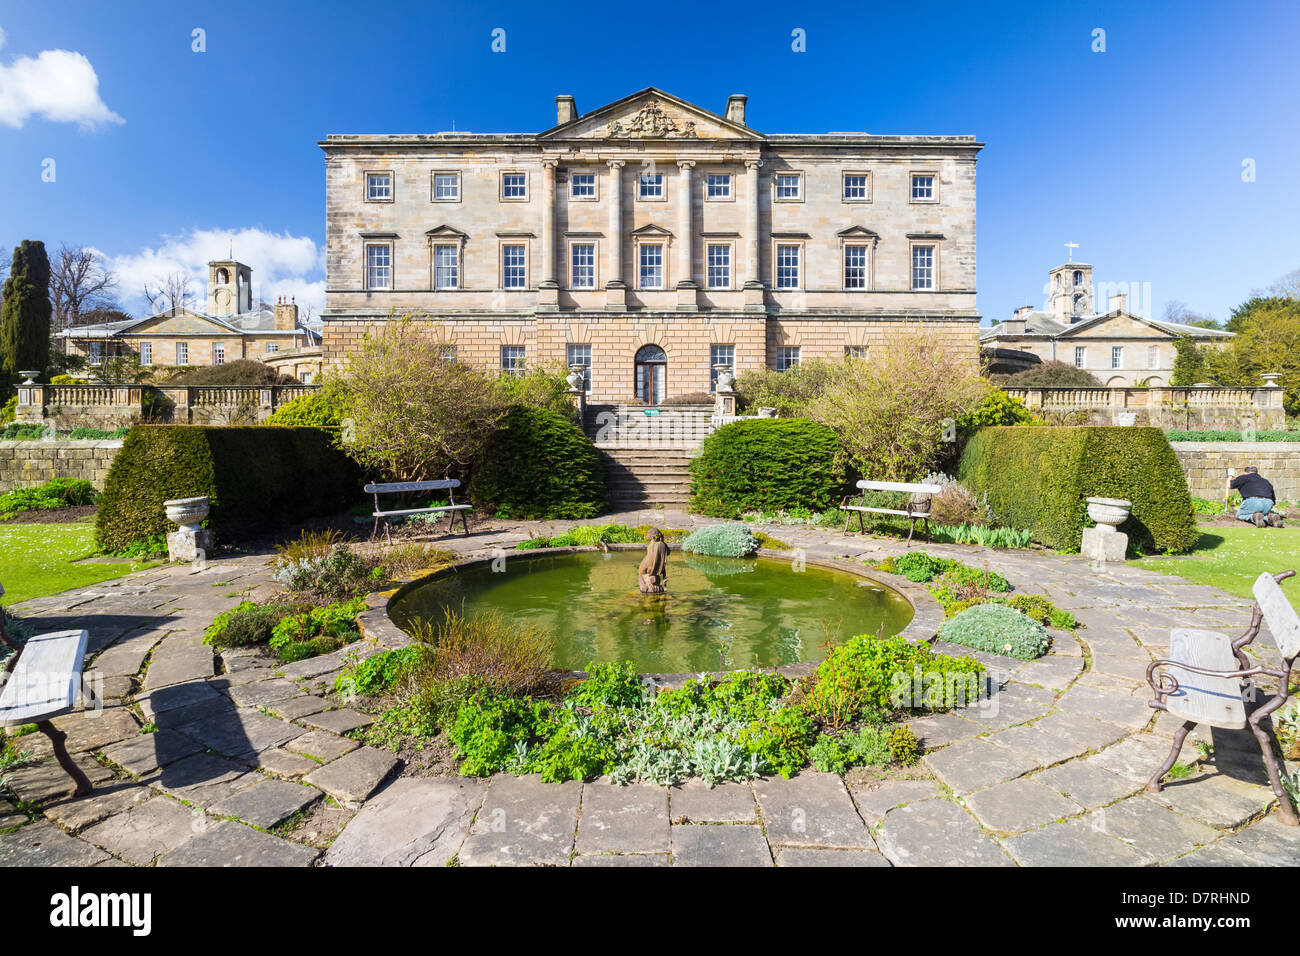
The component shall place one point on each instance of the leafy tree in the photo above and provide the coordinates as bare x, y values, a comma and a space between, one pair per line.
789, 392
409, 410
1256, 305
1267, 340
1189, 362
1051, 374
25, 312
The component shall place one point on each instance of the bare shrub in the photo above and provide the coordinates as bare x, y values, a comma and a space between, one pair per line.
510, 657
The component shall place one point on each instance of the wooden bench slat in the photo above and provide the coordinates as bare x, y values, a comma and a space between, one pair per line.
1207, 700
1279, 614
47, 679
899, 486
888, 511
396, 487
420, 511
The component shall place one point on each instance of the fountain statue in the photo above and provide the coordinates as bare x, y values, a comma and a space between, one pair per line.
653, 571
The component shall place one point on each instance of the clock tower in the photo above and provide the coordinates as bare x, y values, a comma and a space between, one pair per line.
230, 288
1070, 292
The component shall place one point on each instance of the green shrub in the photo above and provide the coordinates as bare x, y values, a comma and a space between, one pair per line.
258, 479
1038, 608
997, 629
335, 620
781, 739
235, 373
246, 624
338, 574
868, 675
789, 392
609, 685
55, 493
532, 544
998, 408
767, 465
1038, 478
488, 732
1265, 434
721, 541
314, 410
539, 465
964, 576
904, 748
916, 566
872, 746
982, 535
829, 755
380, 672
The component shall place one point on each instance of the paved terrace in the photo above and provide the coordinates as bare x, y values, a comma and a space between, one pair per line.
250, 765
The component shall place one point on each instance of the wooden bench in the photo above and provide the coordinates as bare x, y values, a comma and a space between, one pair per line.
398, 487
43, 680
921, 495
1202, 681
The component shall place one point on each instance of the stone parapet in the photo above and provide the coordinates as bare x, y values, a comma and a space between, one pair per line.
24, 464
1206, 465
1186, 409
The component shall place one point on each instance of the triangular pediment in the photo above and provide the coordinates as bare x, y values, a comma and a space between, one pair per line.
651, 229
651, 114
181, 322
857, 232
1115, 324
446, 232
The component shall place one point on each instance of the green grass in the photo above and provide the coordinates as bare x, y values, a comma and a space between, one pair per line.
1232, 558
38, 559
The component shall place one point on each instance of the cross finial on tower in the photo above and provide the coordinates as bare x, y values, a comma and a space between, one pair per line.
1071, 246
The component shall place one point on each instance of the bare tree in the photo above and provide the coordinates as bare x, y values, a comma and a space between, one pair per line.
1177, 311
172, 291
80, 284
1287, 287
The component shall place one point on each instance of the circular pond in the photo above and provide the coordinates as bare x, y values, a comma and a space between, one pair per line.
718, 613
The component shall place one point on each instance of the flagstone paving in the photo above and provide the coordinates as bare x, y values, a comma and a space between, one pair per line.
235, 759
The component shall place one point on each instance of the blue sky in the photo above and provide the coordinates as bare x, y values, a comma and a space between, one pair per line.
1135, 153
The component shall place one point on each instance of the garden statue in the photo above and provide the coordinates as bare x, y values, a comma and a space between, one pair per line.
653, 571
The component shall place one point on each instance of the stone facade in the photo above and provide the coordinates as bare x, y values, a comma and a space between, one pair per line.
27, 463
1206, 465
620, 222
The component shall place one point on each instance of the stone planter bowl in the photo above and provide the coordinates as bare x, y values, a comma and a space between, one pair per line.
187, 512
1109, 511
767, 413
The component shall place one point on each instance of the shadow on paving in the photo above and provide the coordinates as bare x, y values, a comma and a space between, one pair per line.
201, 738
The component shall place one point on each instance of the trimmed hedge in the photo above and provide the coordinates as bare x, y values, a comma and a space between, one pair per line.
767, 465
1038, 478
539, 465
258, 479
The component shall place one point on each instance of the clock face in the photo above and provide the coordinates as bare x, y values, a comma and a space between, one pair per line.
1080, 303
222, 299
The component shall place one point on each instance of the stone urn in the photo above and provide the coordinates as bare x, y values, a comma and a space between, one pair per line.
726, 378
1126, 419
1109, 511
190, 543
767, 413
187, 512
575, 377
30, 377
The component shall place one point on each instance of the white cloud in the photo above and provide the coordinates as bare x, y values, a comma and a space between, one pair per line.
59, 85
2, 38
282, 265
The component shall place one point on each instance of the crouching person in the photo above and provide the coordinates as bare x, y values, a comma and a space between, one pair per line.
1257, 498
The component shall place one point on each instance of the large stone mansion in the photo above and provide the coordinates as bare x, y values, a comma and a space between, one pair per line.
650, 240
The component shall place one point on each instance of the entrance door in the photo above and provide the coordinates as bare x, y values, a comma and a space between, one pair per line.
651, 374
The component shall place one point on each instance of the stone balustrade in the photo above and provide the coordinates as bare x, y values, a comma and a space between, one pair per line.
110, 406
1188, 409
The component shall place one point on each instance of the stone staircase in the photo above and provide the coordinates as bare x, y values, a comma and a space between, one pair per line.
648, 477
682, 426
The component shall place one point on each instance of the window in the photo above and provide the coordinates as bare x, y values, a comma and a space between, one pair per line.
1153, 356
1080, 357
719, 267
218, 355
861, 352
514, 267
720, 355
514, 185
582, 268
788, 186
582, 185
446, 187
922, 187
272, 347
1117, 356
652, 186
512, 359
856, 187
446, 267
922, 268
652, 266
447, 353
787, 357
718, 186
304, 377
1078, 277
182, 353
96, 352
787, 267
379, 266
855, 267
580, 355
379, 187
146, 353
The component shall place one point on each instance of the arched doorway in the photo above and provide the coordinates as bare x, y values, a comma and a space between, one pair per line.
651, 374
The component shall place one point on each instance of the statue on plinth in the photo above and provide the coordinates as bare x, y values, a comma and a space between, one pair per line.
653, 570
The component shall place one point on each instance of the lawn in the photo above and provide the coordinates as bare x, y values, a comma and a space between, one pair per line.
1232, 558
39, 559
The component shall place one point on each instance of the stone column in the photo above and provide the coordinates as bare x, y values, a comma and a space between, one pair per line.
685, 238
548, 288
615, 287
754, 291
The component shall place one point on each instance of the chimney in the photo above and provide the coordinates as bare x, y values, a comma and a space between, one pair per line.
736, 108
1119, 302
566, 110
1016, 324
286, 315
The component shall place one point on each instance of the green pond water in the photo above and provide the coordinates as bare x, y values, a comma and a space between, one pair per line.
718, 613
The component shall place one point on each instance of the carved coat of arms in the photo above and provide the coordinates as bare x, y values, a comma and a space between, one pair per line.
652, 122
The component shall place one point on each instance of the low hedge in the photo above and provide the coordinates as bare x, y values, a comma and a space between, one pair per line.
539, 465
1038, 478
258, 479
767, 465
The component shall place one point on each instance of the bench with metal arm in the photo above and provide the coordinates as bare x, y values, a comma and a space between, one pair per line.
397, 487
1201, 681
917, 507
42, 679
